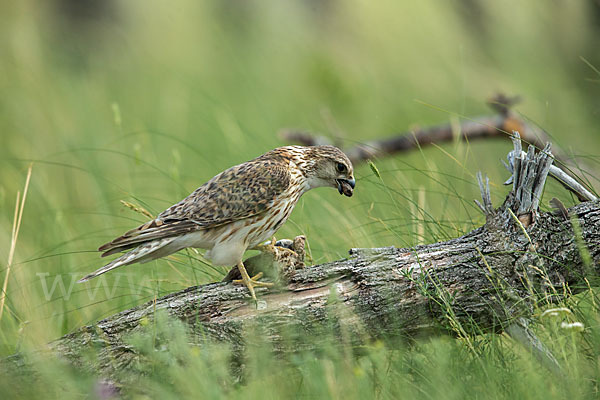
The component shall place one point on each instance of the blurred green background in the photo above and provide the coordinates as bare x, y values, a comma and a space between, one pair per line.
143, 101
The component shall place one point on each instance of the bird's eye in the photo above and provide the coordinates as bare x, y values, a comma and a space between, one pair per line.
340, 167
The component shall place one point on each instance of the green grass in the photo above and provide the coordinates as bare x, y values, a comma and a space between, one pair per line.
147, 104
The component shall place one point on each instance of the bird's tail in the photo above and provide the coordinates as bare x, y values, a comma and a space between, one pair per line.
144, 253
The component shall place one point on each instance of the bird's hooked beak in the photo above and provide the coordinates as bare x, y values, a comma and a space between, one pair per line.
346, 186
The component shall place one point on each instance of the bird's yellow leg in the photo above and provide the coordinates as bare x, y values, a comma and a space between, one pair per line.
266, 248
250, 283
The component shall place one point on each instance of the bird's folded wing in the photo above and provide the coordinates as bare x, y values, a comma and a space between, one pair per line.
240, 192
152, 230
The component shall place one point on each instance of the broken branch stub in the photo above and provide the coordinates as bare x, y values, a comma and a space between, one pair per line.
529, 172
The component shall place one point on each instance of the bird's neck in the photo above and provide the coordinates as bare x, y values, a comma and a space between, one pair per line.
298, 178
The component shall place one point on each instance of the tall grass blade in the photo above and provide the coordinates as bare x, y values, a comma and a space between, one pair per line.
14, 237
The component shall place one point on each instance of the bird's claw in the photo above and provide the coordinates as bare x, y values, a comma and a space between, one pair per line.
251, 283
255, 281
284, 245
284, 257
267, 247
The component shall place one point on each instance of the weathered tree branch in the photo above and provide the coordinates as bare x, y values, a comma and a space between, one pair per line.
500, 125
485, 281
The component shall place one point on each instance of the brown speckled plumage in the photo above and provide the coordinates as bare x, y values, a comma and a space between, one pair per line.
237, 209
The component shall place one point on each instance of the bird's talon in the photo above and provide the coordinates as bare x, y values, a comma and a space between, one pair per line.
267, 247
254, 281
290, 251
250, 283
257, 276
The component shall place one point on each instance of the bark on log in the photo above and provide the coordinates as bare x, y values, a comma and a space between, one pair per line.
480, 282
476, 283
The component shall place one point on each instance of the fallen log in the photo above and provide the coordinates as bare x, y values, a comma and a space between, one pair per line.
485, 281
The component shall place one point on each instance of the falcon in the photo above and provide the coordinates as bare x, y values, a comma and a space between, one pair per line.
236, 210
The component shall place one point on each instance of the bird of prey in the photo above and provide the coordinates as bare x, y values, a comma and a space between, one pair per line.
236, 210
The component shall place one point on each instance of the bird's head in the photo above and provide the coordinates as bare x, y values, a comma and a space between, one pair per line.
328, 166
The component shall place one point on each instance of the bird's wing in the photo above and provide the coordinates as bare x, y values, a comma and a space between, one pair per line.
239, 192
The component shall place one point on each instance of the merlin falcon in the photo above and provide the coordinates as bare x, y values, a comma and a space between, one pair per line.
236, 210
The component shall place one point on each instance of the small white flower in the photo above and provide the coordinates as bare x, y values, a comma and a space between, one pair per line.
555, 312
573, 326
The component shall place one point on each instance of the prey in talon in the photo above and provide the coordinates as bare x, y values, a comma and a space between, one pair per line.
279, 261
236, 210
